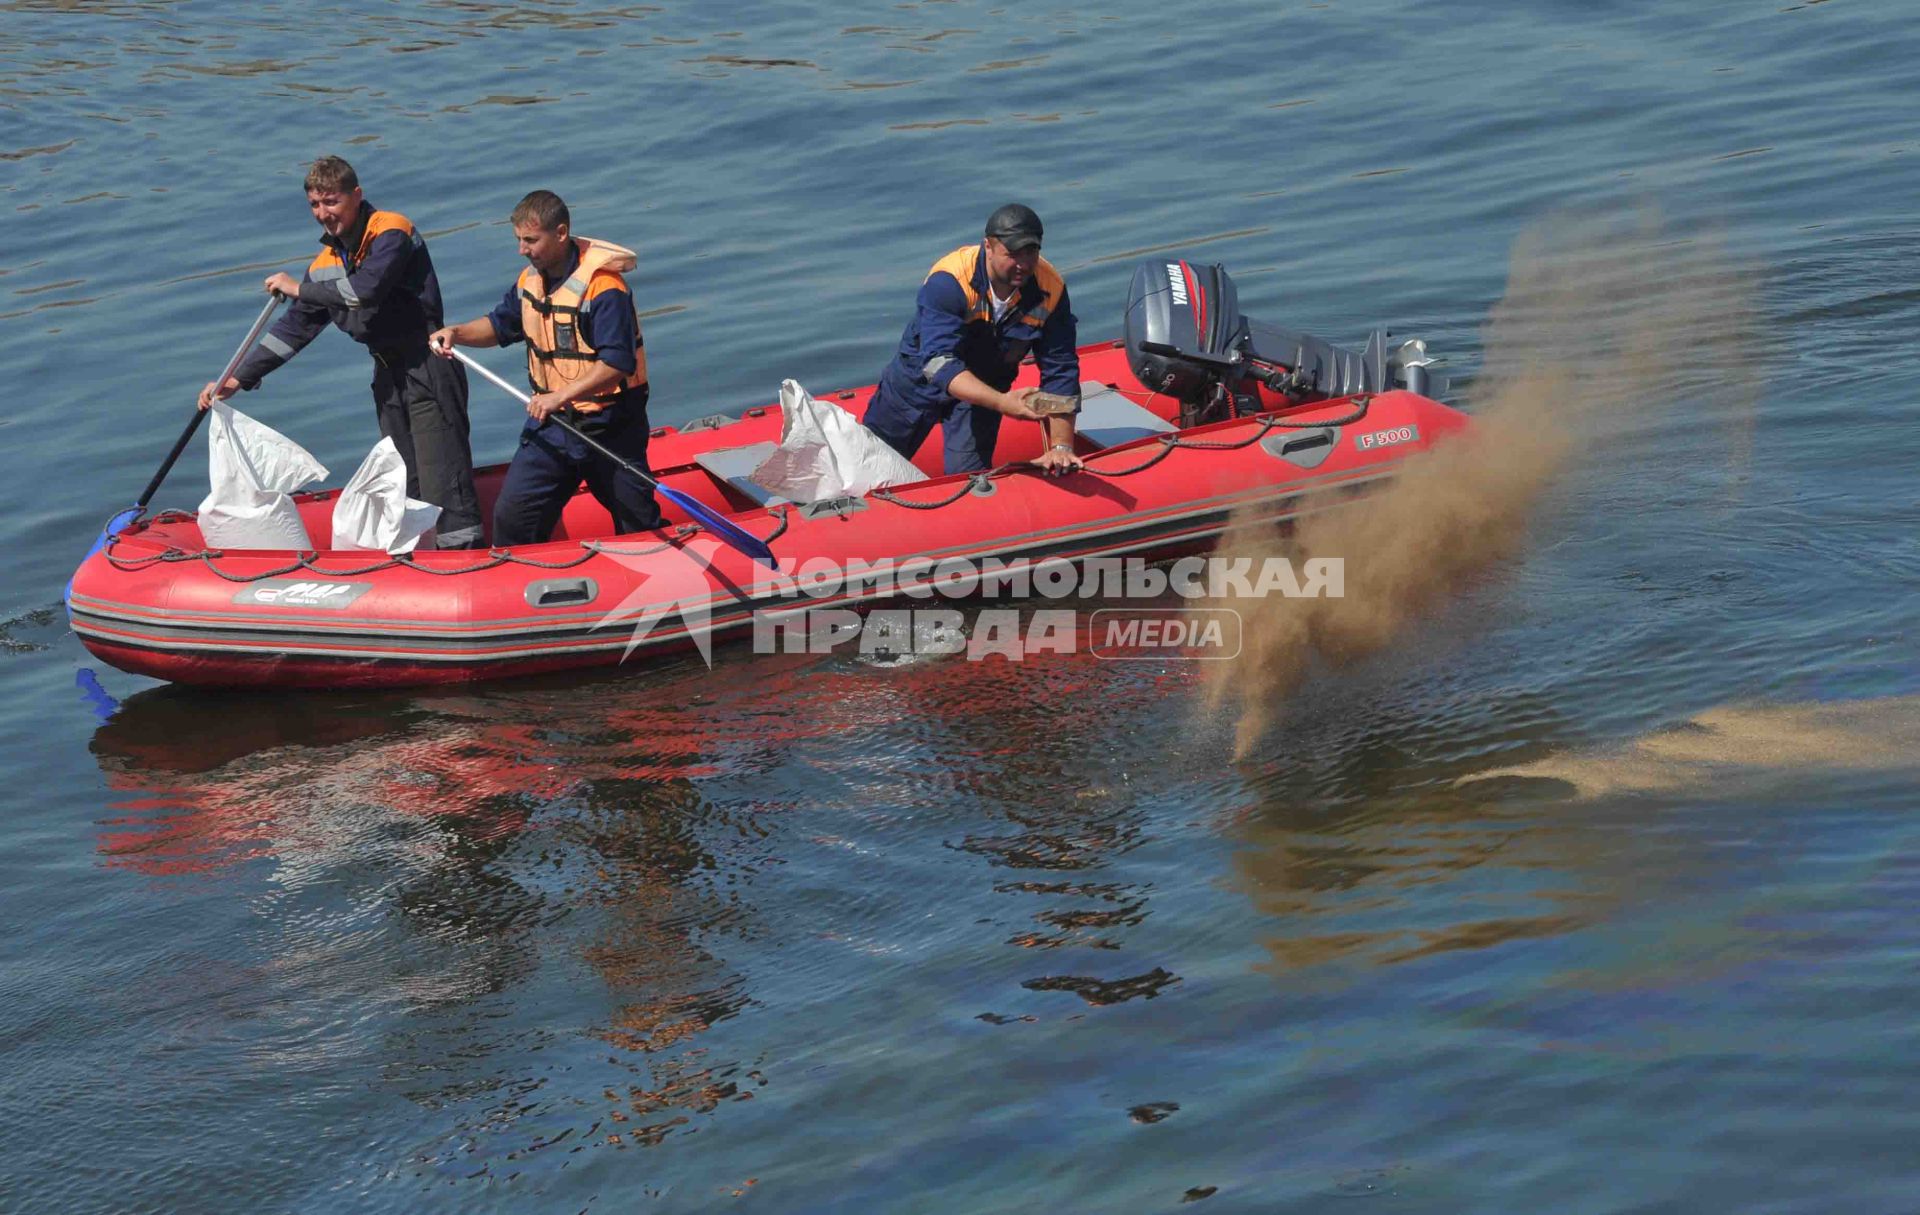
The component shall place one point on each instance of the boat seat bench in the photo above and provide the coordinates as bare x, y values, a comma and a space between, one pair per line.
1107, 419
735, 465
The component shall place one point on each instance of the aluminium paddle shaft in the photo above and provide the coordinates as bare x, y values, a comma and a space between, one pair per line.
233, 364
748, 543
131, 513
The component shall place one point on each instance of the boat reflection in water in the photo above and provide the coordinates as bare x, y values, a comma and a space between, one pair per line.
427, 867
782, 827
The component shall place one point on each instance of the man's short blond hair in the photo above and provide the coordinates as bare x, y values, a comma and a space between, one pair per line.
331, 175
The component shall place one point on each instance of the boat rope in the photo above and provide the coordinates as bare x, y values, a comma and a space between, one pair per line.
686, 529
1167, 445
308, 562
977, 482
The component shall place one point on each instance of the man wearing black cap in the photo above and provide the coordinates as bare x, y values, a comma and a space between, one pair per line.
982, 310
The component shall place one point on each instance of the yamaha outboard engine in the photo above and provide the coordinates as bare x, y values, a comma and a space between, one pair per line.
1184, 330
1186, 338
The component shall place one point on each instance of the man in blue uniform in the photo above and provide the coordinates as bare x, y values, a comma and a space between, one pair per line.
585, 359
982, 309
374, 279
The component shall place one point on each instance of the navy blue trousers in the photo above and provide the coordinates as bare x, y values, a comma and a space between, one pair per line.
550, 464
421, 402
970, 430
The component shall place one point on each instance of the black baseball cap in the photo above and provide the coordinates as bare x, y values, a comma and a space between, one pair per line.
1016, 227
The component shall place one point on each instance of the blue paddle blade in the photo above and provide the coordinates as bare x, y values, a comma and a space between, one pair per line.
748, 543
103, 705
100, 541
113, 525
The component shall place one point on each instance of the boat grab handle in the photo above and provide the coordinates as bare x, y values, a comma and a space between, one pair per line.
561, 592
1305, 448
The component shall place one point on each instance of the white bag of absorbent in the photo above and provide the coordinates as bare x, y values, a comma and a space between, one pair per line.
825, 453
253, 468
374, 513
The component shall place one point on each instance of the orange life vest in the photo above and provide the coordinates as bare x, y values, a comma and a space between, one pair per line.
558, 353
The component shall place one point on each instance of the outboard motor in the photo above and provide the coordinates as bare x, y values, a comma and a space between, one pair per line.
1186, 338
1184, 330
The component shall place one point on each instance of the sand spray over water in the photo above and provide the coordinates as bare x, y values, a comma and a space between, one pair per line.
1712, 746
1604, 320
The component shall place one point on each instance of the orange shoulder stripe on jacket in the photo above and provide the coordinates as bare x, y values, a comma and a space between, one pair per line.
962, 264
387, 221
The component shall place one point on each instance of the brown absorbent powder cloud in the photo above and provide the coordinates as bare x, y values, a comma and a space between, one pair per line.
1856, 735
1603, 320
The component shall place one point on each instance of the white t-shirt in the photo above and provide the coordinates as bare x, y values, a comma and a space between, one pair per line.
999, 305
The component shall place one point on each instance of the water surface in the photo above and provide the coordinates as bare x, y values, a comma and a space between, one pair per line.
816, 934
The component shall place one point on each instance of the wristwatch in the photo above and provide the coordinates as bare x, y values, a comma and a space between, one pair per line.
1066, 447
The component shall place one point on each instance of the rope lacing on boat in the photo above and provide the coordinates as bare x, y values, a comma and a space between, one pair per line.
1166, 445
307, 562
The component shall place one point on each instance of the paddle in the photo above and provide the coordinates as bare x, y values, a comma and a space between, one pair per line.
180, 444
732, 533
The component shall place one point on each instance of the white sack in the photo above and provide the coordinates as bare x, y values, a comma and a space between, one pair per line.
373, 512
253, 468
825, 453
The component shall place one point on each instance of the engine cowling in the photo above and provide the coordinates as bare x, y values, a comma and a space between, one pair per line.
1183, 328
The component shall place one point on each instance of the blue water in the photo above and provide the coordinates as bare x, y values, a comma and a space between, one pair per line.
816, 934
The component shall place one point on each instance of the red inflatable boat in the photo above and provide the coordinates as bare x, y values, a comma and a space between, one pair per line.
1195, 415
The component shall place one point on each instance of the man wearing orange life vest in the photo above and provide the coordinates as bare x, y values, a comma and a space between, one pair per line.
585, 359
982, 309
374, 279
